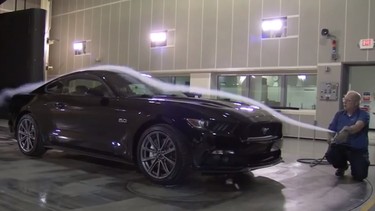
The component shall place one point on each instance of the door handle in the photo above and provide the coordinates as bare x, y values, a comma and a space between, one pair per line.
59, 105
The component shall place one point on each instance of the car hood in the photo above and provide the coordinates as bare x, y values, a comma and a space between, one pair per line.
235, 109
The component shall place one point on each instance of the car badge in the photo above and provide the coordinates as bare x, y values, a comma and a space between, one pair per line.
122, 120
265, 130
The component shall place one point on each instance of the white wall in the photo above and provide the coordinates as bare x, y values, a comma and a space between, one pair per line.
361, 79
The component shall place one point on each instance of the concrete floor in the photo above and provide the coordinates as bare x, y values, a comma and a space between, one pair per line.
61, 181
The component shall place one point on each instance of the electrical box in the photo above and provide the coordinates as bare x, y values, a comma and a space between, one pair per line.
329, 91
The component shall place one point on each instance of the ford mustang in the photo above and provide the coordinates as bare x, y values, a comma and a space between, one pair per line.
114, 115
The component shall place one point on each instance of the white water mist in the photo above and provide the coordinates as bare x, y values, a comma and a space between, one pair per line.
211, 92
7, 93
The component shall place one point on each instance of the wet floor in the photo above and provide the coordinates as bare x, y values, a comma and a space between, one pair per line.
61, 181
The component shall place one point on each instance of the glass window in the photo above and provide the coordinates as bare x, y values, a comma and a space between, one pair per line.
166, 79
55, 87
301, 91
266, 89
297, 91
234, 84
128, 86
181, 80
82, 87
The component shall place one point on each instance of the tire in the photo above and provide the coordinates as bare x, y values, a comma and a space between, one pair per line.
28, 137
163, 155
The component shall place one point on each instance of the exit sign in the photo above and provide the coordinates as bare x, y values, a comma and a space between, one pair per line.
366, 43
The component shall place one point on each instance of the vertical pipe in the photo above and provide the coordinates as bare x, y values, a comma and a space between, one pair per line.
24, 4
15, 5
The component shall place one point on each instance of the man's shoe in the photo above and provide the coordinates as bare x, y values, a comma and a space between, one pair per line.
340, 172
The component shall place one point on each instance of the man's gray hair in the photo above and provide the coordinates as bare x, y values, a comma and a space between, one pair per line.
355, 95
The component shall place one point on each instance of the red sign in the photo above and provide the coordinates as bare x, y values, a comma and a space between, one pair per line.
366, 43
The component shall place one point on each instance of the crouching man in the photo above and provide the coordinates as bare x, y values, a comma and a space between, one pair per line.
349, 142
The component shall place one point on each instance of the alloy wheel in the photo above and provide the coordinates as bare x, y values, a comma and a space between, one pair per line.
26, 135
158, 155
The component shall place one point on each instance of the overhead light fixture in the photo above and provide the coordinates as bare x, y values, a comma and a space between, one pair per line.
158, 39
79, 47
274, 28
272, 25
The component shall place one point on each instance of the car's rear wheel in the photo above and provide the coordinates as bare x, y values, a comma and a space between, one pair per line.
163, 155
28, 137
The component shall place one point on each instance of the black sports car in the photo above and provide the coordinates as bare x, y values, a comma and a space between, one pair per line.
118, 116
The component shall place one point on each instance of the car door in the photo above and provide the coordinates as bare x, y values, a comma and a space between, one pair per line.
85, 115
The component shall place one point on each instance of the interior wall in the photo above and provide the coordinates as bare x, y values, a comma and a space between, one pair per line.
200, 80
211, 35
208, 34
325, 110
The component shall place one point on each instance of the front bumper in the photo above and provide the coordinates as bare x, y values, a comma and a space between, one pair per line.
223, 164
222, 155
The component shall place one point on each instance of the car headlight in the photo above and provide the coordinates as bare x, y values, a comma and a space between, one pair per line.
213, 126
197, 123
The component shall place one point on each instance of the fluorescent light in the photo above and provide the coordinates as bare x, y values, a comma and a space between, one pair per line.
78, 46
158, 38
272, 25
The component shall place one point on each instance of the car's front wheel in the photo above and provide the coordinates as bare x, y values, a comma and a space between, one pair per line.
28, 137
163, 155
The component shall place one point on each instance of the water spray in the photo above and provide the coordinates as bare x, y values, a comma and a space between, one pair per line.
210, 92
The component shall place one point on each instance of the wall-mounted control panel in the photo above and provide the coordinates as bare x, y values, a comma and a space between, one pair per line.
329, 91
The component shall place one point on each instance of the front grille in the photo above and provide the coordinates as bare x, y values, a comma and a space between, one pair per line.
221, 127
261, 131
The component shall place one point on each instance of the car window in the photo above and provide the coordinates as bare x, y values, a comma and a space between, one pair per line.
139, 89
127, 86
83, 86
55, 87
79, 87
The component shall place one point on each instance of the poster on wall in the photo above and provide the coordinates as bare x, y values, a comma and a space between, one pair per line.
366, 108
366, 100
366, 97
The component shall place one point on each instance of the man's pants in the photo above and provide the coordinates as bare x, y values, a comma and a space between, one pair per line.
339, 155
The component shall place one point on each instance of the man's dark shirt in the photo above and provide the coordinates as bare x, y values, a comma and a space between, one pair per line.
358, 140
